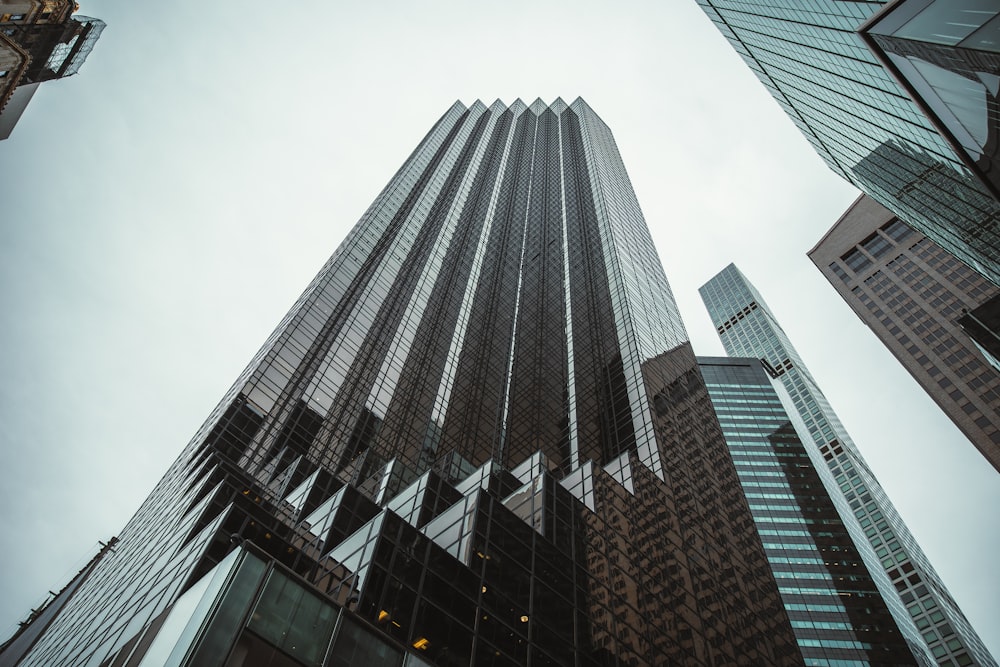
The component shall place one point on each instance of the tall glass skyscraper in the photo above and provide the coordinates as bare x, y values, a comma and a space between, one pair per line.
825, 568
861, 120
479, 437
748, 328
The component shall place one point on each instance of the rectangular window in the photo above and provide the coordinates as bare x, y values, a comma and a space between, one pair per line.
856, 261
896, 230
839, 272
876, 245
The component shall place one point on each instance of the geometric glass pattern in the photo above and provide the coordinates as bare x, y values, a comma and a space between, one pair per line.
863, 123
479, 436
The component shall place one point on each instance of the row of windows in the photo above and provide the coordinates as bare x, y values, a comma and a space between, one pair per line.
876, 245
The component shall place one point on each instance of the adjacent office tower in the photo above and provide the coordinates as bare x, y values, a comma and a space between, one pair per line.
912, 293
480, 436
824, 566
40, 40
748, 328
862, 121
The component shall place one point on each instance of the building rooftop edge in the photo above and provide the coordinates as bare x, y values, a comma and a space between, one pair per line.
519, 102
829, 231
726, 361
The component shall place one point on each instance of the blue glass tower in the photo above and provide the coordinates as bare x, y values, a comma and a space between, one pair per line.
748, 328
821, 562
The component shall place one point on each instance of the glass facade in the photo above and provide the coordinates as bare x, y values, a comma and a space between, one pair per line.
918, 599
836, 610
946, 53
861, 120
479, 434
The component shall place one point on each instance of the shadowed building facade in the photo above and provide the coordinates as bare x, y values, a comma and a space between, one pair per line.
912, 294
917, 596
820, 561
479, 437
856, 105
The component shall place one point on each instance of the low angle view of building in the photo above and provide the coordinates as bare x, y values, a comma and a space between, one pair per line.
481, 433
825, 568
865, 124
913, 295
345, 338
946, 55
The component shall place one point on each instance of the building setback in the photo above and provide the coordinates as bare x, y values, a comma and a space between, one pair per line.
863, 122
820, 562
748, 328
479, 437
912, 293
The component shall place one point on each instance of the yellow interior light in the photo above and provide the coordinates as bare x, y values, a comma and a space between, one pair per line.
524, 619
382, 616
421, 644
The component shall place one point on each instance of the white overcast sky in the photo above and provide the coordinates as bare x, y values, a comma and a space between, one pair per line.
161, 210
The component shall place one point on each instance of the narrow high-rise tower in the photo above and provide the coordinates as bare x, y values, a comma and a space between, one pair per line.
479, 437
748, 328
